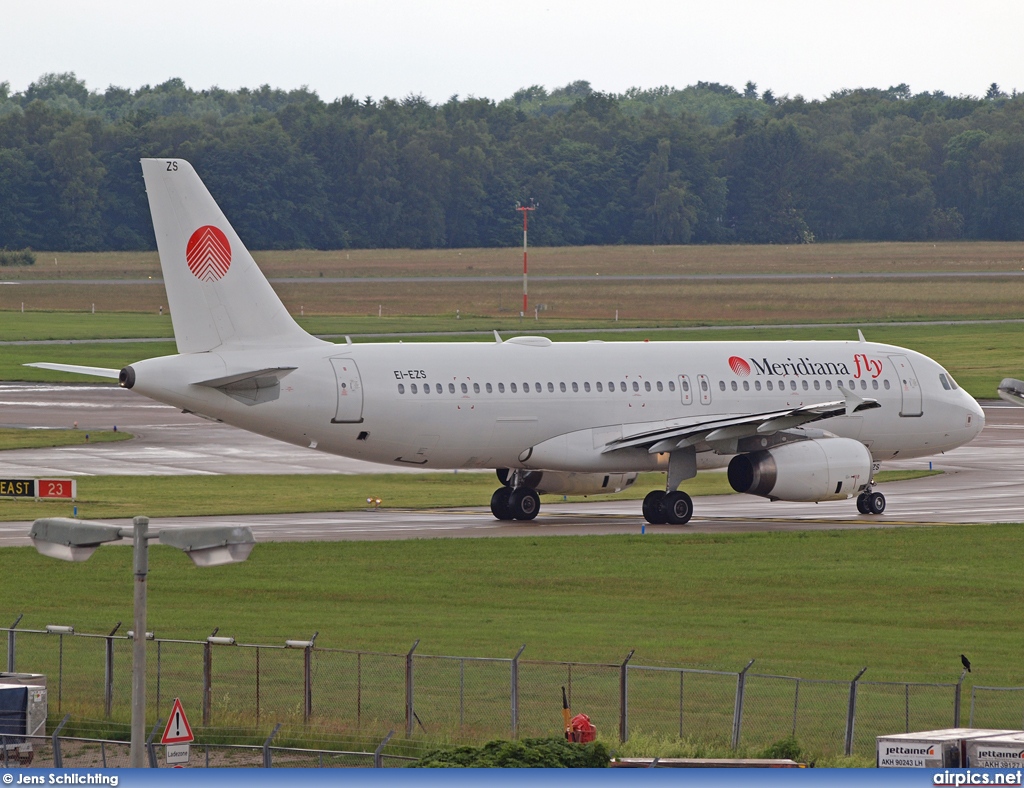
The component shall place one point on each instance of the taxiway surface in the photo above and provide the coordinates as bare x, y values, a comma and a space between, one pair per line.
982, 482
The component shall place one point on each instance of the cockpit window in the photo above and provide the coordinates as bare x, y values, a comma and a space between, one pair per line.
944, 382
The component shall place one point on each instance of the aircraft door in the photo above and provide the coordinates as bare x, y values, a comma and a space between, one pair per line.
909, 386
705, 389
349, 390
685, 390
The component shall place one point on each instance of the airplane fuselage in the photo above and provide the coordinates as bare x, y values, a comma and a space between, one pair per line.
485, 405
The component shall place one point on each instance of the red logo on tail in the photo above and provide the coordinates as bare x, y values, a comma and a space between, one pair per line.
739, 366
208, 254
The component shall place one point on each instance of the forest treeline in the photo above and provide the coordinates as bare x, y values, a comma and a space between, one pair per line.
705, 164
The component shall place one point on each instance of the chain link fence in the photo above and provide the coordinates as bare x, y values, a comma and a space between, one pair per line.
372, 693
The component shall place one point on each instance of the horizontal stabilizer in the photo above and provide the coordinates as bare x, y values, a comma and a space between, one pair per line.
1012, 390
227, 380
100, 372
253, 387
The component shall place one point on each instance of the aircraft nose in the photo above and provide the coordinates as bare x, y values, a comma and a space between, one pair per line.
975, 416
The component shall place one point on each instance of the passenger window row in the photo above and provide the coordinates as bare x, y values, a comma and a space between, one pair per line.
514, 388
599, 386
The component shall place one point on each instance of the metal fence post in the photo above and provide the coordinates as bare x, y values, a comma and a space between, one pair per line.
266, 746
514, 693
737, 712
307, 683
378, 759
956, 699
10, 645
409, 711
624, 697
150, 749
58, 760
207, 681
851, 712
108, 673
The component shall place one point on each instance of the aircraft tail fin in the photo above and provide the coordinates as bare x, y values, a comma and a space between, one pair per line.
216, 293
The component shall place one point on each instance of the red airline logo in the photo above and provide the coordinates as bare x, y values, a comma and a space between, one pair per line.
739, 366
208, 253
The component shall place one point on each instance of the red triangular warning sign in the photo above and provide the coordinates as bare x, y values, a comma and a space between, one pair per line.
178, 730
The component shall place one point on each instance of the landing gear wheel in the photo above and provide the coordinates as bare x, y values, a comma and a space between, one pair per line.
524, 503
652, 507
677, 507
875, 503
499, 504
862, 503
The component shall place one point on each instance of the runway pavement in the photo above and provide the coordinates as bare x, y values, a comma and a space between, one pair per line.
982, 482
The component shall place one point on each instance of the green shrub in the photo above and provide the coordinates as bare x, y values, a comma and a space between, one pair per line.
527, 753
17, 257
783, 748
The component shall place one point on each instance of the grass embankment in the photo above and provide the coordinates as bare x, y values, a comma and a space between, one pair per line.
44, 439
185, 496
905, 602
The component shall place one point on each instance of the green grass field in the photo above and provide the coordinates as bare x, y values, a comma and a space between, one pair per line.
45, 439
188, 496
905, 602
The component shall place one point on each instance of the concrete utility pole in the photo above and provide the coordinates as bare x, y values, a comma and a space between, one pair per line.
525, 209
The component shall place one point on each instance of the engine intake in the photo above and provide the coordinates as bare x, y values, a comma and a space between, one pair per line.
815, 470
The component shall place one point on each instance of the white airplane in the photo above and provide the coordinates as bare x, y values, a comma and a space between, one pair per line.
796, 421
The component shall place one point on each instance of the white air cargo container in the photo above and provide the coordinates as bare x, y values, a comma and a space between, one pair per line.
929, 749
1003, 751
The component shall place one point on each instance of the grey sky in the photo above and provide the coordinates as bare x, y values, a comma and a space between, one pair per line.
443, 47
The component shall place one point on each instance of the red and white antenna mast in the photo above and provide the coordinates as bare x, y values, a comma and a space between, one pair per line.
526, 213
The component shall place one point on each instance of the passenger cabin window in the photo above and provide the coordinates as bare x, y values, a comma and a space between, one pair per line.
512, 388
476, 388
575, 386
721, 385
660, 387
465, 389
647, 385
874, 385
828, 385
686, 385
671, 385
599, 386
885, 384
768, 383
746, 385
622, 385
488, 387
412, 389
863, 385
807, 385
551, 387
501, 388
792, 385
817, 385
636, 386
561, 386
439, 389
586, 386
401, 389
757, 385
451, 388
536, 387
735, 387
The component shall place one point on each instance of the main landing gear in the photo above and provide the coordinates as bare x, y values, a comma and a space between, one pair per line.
514, 501
869, 502
675, 508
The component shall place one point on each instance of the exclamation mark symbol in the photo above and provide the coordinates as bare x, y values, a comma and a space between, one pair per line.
177, 723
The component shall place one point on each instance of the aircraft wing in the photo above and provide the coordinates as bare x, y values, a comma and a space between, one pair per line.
101, 372
679, 435
1012, 390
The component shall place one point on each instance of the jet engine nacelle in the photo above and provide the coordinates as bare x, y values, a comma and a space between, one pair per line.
569, 483
827, 469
